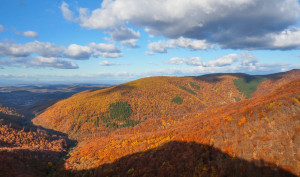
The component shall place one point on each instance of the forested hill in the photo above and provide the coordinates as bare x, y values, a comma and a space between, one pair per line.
132, 103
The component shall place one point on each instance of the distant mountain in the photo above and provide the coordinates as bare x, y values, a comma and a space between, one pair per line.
33, 99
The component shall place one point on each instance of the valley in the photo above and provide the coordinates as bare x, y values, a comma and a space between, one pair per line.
209, 125
139, 88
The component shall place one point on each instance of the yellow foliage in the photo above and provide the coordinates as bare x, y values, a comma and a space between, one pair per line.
131, 170
271, 105
228, 118
266, 118
297, 101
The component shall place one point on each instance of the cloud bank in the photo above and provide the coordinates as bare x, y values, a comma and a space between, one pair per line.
45, 54
235, 24
243, 62
39, 62
163, 46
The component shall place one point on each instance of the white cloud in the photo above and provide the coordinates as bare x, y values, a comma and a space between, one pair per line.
159, 47
1, 28
223, 61
67, 13
79, 52
123, 33
107, 63
261, 68
39, 62
45, 49
75, 51
195, 61
163, 46
246, 59
175, 61
191, 44
132, 43
244, 24
289, 38
31, 34
105, 50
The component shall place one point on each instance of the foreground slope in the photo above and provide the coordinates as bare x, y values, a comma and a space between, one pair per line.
24, 150
254, 137
101, 111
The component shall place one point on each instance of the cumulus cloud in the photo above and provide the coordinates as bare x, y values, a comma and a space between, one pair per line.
287, 39
107, 63
232, 63
1, 28
123, 33
223, 61
243, 24
163, 46
246, 60
31, 34
194, 61
79, 52
105, 50
132, 43
75, 51
175, 61
44, 49
39, 62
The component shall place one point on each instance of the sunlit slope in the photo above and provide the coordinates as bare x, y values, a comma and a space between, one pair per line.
263, 130
134, 102
146, 98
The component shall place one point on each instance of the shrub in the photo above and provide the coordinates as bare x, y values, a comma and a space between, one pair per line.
177, 100
188, 90
194, 85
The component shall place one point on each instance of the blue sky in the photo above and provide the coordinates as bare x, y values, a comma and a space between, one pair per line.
116, 41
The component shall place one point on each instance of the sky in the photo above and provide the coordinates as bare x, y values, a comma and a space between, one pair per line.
115, 41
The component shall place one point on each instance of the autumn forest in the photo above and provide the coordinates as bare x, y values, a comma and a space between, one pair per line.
209, 125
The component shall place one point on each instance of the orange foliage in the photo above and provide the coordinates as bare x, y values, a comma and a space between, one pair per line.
149, 98
240, 137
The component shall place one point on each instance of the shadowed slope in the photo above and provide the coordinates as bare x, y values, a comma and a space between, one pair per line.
177, 158
26, 150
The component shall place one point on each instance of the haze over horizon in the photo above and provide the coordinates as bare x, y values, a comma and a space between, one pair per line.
116, 41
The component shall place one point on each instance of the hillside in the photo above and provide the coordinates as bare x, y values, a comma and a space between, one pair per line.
102, 111
253, 137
